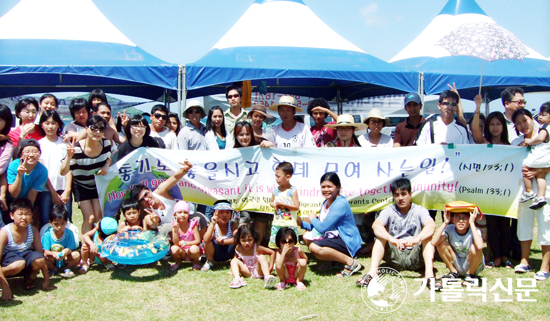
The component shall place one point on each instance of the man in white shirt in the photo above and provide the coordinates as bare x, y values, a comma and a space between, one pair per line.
512, 100
290, 133
159, 115
444, 130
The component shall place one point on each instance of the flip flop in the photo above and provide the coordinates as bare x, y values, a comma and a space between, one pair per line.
300, 286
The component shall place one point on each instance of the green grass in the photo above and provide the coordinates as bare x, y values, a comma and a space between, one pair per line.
154, 293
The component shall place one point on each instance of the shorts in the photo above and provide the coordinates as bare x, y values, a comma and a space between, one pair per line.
84, 194
223, 252
274, 230
247, 217
462, 265
526, 223
409, 259
28, 256
335, 243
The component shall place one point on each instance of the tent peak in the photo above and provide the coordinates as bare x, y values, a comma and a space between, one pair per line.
456, 7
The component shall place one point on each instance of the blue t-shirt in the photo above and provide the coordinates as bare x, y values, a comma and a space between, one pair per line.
36, 180
50, 243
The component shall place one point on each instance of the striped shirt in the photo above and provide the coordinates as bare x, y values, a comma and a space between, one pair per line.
19, 248
84, 167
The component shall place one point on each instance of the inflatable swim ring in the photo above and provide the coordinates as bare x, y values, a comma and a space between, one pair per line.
135, 247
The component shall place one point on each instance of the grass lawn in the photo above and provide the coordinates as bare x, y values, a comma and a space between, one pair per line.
152, 292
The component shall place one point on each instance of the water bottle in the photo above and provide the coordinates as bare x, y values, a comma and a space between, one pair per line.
59, 264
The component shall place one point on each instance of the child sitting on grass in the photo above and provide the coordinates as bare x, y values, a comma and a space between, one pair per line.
250, 260
291, 262
185, 237
21, 250
284, 200
219, 243
59, 244
460, 244
91, 249
133, 217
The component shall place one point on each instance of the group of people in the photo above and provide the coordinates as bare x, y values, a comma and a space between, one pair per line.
53, 163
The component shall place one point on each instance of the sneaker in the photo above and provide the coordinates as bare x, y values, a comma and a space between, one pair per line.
538, 203
520, 268
526, 196
236, 283
542, 276
270, 282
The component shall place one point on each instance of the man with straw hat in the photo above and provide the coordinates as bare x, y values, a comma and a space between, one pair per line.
235, 113
345, 127
290, 133
191, 136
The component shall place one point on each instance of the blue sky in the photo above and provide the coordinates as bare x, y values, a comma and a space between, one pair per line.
182, 31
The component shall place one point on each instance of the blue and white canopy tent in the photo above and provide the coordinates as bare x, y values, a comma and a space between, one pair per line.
77, 50
439, 68
285, 44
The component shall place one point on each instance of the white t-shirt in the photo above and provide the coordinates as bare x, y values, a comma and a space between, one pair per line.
452, 133
168, 137
385, 141
539, 156
460, 243
299, 136
52, 156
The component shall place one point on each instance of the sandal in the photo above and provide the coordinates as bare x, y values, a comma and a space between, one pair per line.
83, 269
490, 265
67, 273
281, 286
469, 279
509, 265
451, 275
437, 285
300, 286
207, 266
270, 282
364, 280
350, 270
174, 267
196, 266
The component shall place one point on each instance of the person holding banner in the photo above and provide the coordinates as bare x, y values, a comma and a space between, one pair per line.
319, 110
499, 234
217, 137
257, 116
341, 238
374, 138
345, 128
159, 204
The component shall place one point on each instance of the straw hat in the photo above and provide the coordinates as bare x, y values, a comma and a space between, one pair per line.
194, 103
285, 101
376, 113
259, 109
346, 120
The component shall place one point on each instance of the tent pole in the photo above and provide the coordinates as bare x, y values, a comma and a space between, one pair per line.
184, 92
179, 90
421, 89
339, 101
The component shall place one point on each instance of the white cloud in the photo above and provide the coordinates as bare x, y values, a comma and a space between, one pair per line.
371, 15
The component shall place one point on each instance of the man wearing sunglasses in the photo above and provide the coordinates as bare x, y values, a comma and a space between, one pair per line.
235, 113
191, 136
159, 115
444, 130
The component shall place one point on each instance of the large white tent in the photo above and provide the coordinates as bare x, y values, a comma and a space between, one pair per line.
439, 68
78, 52
285, 44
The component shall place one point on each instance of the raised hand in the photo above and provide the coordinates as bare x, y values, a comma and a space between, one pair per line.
123, 118
70, 147
22, 169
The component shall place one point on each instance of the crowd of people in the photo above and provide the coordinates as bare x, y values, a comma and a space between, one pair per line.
44, 165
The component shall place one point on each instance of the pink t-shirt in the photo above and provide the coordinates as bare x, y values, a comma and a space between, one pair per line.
324, 135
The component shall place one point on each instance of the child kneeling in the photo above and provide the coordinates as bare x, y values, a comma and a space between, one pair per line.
460, 244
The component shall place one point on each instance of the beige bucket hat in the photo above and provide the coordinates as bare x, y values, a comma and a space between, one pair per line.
346, 120
376, 113
285, 101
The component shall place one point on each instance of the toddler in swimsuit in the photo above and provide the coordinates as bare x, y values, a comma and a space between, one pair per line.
250, 260
185, 237
291, 262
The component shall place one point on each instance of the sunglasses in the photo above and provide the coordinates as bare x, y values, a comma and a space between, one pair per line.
287, 241
96, 128
194, 111
164, 117
145, 195
233, 96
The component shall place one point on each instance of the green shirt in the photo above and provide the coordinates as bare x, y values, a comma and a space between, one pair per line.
230, 120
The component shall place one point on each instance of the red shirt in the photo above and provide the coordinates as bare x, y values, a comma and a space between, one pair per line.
324, 135
14, 134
